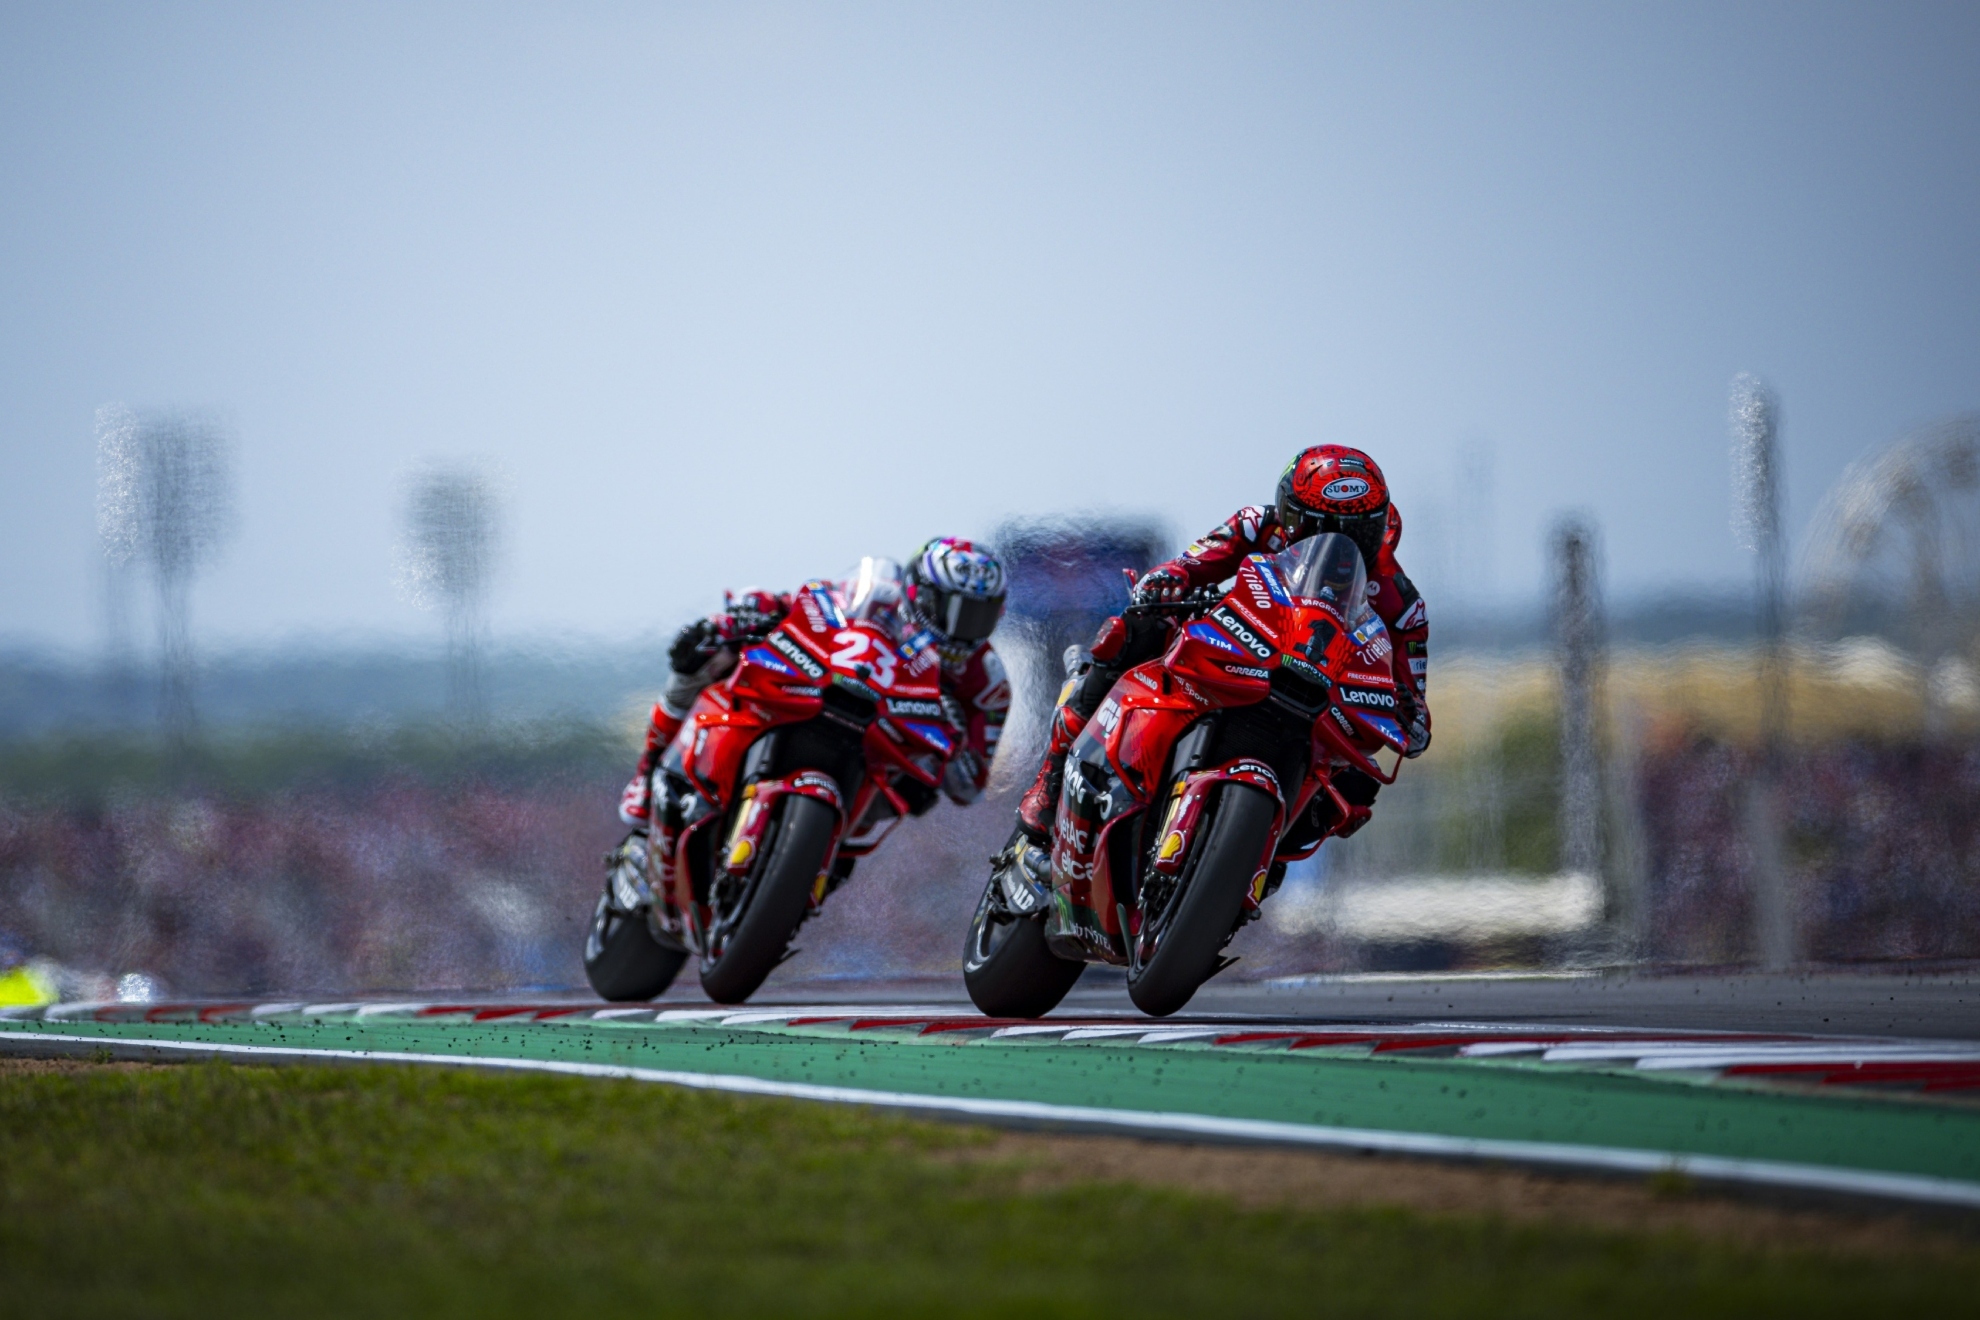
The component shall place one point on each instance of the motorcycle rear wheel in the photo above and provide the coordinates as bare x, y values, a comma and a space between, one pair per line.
774, 904
1195, 920
1007, 967
622, 960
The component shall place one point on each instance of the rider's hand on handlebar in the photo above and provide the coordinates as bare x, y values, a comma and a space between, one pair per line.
1161, 585
693, 645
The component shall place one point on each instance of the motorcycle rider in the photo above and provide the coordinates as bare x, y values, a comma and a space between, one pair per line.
951, 590
1327, 488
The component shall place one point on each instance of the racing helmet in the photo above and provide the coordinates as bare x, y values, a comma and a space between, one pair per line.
956, 588
1333, 488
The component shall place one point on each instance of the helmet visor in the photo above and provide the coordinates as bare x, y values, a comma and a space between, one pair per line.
968, 618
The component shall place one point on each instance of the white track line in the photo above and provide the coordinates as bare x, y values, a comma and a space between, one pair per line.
1772, 1173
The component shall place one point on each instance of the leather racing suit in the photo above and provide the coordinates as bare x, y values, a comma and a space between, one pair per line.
975, 690
1125, 641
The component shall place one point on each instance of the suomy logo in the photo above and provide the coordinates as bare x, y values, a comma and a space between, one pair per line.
1235, 626
1345, 488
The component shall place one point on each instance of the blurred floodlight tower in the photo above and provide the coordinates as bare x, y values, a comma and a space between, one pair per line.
452, 527
1578, 645
165, 501
1756, 412
1903, 526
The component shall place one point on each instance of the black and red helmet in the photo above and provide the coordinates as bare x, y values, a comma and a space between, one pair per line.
1332, 488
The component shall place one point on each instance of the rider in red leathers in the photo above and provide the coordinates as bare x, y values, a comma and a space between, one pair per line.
1328, 488
952, 590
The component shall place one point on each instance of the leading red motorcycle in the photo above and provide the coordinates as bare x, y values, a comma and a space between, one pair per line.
783, 774
1202, 773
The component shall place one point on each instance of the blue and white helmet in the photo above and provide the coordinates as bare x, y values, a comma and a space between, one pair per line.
956, 588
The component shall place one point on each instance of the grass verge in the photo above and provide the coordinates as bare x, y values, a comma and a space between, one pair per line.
216, 1189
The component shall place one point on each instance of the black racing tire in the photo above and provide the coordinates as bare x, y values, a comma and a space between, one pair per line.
775, 903
622, 960
1008, 969
1197, 920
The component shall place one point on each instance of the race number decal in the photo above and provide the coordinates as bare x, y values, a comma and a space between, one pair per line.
856, 648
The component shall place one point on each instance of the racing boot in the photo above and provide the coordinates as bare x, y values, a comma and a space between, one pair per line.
636, 802
1041, 801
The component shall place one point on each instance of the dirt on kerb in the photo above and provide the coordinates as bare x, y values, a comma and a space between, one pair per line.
18, 1067
1256, 1177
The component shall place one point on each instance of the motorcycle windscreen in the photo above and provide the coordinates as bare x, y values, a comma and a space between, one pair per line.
1327, 568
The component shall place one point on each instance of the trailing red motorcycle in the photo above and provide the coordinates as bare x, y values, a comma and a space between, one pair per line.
1261, 731
784, 774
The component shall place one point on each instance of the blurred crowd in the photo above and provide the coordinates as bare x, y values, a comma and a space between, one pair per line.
1882, 852
408, 885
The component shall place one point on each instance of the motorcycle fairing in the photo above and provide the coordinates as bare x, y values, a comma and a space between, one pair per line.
1261, 641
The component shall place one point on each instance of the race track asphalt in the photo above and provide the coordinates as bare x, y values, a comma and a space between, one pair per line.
1721, 1077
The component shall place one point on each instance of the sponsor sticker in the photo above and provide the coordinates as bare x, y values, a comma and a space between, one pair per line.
1247, 671
932, 734
769, 659
1236, 627
1414, 616
1303, 669
1108, 715
1345, 488
1368, 631
797, 655
1366, 698
928, 710
1203, 632
1270, 575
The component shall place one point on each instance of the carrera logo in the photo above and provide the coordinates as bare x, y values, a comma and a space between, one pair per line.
930, 710
1367, 698
1344, 488
797, 655
1247, 671
1235, 626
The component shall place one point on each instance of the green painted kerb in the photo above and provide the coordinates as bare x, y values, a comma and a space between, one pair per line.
1446, 1097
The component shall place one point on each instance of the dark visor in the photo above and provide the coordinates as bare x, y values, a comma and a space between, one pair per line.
969, 618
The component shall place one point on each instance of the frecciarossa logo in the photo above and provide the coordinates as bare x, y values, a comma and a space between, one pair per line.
1237, 628
1366, 698
797, 655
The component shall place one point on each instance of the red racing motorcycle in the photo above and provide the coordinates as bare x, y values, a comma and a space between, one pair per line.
784, 774
1250, 741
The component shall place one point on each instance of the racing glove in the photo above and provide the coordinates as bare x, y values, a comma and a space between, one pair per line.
694, 645
753, 613
1159, 586
1416, 723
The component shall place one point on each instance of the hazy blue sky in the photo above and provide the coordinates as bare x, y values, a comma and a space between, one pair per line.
733, 293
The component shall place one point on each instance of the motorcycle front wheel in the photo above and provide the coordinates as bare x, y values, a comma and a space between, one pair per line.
1007, 967
622, 960
1185, 925
752, 939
